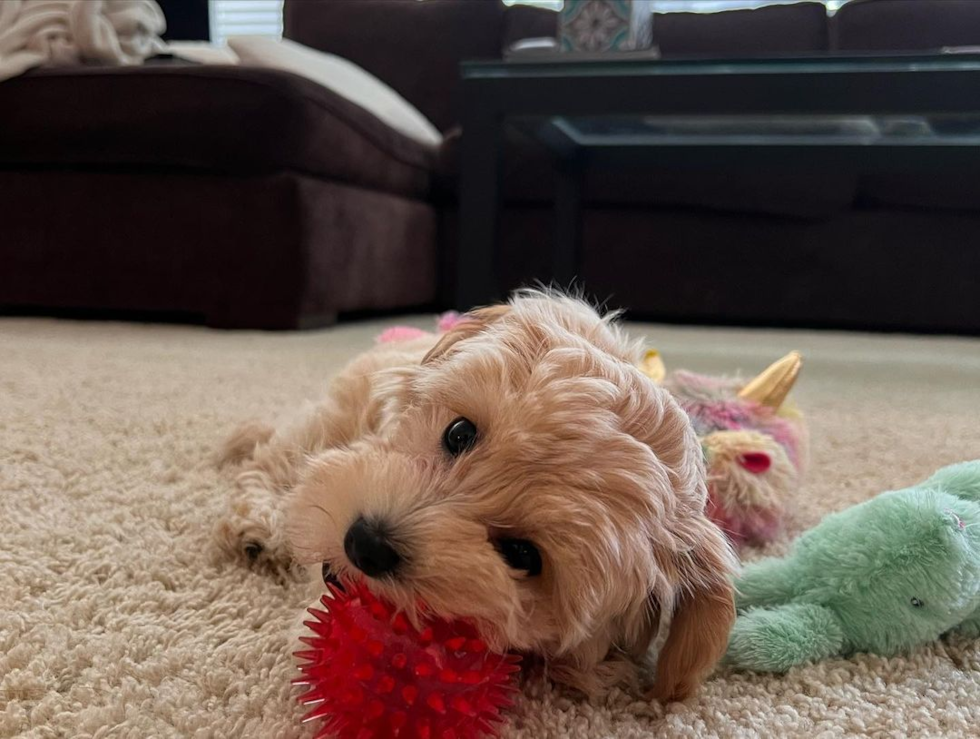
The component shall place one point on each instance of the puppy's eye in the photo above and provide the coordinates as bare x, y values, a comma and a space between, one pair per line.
459, 436
521, 555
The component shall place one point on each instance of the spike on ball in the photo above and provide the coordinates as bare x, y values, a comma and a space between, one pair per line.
368, 672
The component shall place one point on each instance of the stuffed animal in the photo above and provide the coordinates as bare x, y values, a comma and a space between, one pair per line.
754, 442
883, 576
406, 333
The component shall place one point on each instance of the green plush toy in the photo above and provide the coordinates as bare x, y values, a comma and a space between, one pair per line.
896, 571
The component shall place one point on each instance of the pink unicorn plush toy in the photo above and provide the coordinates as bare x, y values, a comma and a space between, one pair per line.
754, 442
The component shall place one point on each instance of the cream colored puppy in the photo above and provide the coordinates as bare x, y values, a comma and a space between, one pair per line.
518, 470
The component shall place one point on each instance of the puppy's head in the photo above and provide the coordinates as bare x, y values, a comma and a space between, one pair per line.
528, 476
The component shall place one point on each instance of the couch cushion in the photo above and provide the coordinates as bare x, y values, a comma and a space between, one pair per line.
415, 47
777, 29
907, 25
952, 190
216, 118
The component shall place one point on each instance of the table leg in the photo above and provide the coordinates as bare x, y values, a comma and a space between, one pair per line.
476, 278
568, 220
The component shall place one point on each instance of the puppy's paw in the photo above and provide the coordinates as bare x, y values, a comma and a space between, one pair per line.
616, 671
251, 532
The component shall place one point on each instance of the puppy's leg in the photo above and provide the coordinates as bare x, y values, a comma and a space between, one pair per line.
617, 670
596, 666
251, 525
241, 445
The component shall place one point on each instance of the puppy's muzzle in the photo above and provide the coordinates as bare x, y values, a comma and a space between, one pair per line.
366, 546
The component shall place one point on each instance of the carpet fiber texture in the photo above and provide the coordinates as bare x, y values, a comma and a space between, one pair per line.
117, 619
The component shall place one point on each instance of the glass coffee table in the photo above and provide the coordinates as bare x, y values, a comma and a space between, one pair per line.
896, 113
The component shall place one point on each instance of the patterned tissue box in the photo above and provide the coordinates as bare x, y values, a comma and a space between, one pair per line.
605, 25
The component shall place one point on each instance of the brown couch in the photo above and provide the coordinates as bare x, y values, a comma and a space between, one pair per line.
243, 197
256, 198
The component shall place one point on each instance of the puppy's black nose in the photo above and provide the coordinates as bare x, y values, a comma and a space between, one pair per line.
368, 549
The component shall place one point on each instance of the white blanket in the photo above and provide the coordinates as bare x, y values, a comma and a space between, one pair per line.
343, 77
66, 32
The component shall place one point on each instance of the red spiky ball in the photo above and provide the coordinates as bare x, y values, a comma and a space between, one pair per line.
372, 675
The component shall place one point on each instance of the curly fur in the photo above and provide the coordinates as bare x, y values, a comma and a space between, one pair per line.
577, 451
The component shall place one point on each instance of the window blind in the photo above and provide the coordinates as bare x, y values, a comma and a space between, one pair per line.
245, 17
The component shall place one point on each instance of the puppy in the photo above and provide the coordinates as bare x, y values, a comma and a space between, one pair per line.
518, 470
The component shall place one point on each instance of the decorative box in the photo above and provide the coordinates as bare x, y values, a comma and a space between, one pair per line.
605, 25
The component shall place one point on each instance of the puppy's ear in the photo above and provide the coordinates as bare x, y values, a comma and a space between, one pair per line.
704, 611
469, 325
694, 560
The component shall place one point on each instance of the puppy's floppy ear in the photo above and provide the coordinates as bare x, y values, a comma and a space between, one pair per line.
694, 561
468, 326
704, 611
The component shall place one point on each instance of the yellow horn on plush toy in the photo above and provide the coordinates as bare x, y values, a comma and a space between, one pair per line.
773, 385
652, 365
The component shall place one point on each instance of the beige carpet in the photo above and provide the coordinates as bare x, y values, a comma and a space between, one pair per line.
116, 621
